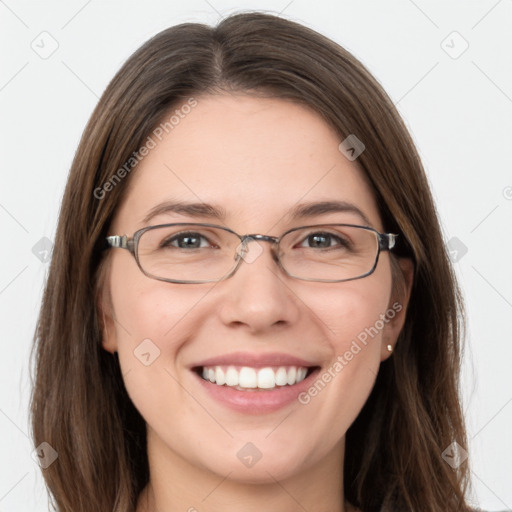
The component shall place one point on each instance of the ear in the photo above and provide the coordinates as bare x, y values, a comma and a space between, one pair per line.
403, 276
106, 322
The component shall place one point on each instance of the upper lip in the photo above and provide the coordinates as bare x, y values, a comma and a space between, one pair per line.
259, 360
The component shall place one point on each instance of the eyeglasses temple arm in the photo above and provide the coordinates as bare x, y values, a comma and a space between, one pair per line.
121, 242
387, 241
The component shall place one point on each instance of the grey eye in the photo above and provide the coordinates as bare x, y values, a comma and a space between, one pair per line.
186, 241
322, 241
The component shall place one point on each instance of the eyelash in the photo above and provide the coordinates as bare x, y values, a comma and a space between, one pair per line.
191, 234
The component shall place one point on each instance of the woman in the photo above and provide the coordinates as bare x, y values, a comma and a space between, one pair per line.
249, 305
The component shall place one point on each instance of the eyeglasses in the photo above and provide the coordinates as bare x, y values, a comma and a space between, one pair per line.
203, 253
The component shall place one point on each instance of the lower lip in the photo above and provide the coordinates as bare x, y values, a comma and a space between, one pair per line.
258, 401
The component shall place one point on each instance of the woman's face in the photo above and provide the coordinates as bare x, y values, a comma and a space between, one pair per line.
256, 160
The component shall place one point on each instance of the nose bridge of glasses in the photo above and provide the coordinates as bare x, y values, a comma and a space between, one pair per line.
263, 238
243, 250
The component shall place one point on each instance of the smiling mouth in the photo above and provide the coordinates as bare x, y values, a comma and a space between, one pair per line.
246, 378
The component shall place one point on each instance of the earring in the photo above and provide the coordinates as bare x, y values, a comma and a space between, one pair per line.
390, 348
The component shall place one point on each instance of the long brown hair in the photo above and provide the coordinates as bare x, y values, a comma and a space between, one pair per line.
79, 403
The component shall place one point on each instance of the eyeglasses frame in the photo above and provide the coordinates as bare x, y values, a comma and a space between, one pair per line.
386, 242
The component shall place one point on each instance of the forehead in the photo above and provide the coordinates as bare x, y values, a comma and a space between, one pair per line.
256, 158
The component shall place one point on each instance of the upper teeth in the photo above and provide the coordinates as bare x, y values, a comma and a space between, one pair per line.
247, 377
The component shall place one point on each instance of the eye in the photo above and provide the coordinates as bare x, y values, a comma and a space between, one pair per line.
322, 240
186, 240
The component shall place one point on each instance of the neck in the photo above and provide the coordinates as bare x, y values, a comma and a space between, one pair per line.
177, 485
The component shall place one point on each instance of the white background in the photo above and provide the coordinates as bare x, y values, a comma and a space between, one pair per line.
458, 110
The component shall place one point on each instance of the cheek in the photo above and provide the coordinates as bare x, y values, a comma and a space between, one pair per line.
153, 320
353, 311
147, 308
352, 318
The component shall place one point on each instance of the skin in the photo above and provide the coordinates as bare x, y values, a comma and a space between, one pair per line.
257, 158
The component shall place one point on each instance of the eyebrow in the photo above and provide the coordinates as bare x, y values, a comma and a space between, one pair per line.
301, 211
324, 207
188, 209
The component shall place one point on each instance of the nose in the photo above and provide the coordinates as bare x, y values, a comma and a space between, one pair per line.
258, 295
